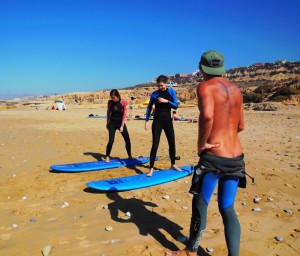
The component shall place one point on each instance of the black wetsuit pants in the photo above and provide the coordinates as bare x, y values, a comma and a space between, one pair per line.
157, 127
112, 127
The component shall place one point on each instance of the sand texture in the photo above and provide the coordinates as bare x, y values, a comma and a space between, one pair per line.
39, 207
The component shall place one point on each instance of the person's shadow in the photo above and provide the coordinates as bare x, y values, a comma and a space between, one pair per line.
148, 222
97, 156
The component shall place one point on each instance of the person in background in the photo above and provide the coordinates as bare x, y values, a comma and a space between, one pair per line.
164, 100
116, 117
221, 156
131, 106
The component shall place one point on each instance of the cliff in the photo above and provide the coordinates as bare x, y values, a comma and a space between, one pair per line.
260, 83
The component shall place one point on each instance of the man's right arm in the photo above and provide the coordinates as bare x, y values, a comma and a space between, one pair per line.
206, 117
241, 125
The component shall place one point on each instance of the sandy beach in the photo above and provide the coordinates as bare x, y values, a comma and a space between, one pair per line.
39, 207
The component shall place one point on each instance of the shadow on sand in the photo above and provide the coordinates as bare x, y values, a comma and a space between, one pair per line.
97, 156
147, 221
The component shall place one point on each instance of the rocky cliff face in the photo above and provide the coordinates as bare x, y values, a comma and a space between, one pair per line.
260, 83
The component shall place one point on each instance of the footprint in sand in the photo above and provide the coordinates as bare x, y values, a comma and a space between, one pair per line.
80, 238
64, 242
85, 243
5, 237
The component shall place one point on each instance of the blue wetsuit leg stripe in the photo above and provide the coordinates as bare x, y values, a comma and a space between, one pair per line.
227, 190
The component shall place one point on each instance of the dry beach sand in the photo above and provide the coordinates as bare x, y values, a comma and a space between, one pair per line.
39, 207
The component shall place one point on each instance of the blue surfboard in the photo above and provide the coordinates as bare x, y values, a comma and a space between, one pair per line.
99, 165
141, 180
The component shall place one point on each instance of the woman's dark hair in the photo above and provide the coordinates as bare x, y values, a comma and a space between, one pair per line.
115, 92
162, 78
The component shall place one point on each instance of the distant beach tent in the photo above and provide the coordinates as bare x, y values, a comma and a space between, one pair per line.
60, 105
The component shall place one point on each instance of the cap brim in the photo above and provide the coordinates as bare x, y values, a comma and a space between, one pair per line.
213, 71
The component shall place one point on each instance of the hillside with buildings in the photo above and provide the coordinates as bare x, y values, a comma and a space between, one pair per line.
261, 84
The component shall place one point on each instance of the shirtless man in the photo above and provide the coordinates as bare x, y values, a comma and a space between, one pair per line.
221, 159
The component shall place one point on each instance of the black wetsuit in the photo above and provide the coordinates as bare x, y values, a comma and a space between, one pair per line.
116, 116
162, 121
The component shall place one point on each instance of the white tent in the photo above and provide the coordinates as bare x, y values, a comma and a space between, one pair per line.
60, 105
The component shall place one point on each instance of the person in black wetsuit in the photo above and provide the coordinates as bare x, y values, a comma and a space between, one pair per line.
116, 117
164, 100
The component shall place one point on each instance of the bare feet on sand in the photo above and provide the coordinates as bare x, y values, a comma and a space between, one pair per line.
149, 174
107, 160
181, 253
174, 167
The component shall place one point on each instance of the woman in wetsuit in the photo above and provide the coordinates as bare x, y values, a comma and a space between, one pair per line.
164, 100
116, 117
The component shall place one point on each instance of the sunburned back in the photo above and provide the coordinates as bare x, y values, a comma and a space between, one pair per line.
227, 114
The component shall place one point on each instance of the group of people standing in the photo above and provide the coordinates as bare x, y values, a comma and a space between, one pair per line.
221, 159
164, 99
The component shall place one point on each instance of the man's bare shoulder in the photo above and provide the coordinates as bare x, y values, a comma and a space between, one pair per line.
207, 86
204, 87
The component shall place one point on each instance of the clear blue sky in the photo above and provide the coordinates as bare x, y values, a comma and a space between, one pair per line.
61, 46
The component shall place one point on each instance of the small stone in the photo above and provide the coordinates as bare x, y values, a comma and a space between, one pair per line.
184, 207
108, 228
128, 214
177, 200
289, 185
244, 203
24, 198
288, 211
101, 206
256, 199
256, 209
270, 199
47, 250
65, 204
278, 238
166, 197
209, 249
32, 220
186, 182
14, 225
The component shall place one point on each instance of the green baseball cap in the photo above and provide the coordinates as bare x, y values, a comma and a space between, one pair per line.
212, 63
